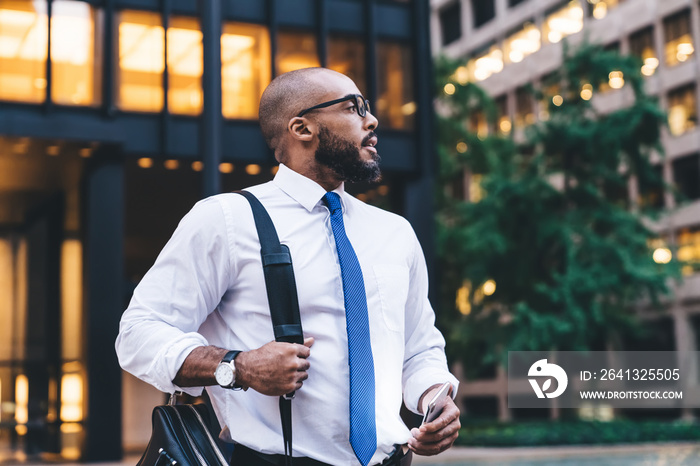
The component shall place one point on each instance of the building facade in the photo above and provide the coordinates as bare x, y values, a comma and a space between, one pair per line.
116, 116
507, 45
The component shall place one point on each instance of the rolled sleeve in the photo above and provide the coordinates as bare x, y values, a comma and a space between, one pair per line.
425, 363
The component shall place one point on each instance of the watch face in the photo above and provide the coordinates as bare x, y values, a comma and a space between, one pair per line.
224, 375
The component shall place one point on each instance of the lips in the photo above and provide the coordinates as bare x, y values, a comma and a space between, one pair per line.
370, 142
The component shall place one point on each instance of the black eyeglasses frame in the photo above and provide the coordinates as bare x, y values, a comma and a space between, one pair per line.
359, 99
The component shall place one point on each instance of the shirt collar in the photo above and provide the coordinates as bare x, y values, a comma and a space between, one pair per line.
304, 190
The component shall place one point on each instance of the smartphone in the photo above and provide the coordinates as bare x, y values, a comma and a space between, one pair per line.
437, 404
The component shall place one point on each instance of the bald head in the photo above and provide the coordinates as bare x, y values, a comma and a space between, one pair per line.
287, 95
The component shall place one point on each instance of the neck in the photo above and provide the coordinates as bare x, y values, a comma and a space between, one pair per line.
311, 169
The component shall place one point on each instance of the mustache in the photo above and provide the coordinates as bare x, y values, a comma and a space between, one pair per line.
371, 135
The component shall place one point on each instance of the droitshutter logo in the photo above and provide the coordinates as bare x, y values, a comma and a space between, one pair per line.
543, 369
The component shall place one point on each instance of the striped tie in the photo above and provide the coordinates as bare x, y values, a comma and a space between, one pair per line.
363, 431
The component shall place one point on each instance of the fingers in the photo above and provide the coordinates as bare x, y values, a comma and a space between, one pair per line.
303, 351
449, 414
438, 435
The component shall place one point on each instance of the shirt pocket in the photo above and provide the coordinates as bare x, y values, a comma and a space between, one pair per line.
392, 285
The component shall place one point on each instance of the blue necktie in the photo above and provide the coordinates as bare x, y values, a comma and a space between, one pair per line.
363, 431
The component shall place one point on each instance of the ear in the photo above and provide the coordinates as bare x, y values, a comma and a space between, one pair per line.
302, 129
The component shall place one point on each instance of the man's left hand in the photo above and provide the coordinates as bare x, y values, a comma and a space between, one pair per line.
438, 435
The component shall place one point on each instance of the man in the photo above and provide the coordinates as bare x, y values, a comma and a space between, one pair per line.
362, 287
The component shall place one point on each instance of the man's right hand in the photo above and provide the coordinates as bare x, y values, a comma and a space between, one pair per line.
274, 369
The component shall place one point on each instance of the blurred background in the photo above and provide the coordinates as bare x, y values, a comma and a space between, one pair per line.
116, 116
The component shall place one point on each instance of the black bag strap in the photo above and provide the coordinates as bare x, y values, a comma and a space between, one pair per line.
282, 296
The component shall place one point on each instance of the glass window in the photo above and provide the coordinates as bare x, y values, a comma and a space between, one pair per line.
651, 192
295, 50
141, 61
686, 176
184, 66
245, 68
478, 124
682, 114
599, 8
563, 22
522, 43
677, 39
551, 94
503, 120
524, 107
483, 11
396, 106
347, 55
23, 50
689, 249
642, 46
451, 23
485, 64
76, 58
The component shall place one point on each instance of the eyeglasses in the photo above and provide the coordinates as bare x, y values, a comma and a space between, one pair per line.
361, 104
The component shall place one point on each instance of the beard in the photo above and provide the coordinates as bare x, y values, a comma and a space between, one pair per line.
344, 159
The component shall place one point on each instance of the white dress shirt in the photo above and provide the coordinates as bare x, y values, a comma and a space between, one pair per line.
207, 288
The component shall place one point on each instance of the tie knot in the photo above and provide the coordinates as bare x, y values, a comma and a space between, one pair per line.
332, 200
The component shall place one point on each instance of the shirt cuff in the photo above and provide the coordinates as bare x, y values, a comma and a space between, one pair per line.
170, 359
421, 381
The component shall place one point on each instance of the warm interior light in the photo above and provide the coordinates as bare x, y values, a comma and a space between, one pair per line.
71, 298
197, 166
245, 68
677, 119
141, 61
616, 79
662, 255
171, 164
600, 10
557, 100
145, 162
85, 152
476, 193
141, 47
462, 299
383, 190
23, 51
523, 43
53, 150
489, 287
488, 64
226, 167
71, 398
21, 400
461, 147
274, 169
505, 125
562, 23
252, 169
462, 75
408, 108
586, 92
449, 89
650, 65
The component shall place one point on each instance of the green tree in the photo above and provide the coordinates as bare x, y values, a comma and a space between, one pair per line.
553, 230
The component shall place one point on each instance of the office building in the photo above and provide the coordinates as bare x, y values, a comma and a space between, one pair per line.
507, 45
116, 116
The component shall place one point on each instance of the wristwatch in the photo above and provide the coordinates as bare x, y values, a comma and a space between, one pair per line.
225, 373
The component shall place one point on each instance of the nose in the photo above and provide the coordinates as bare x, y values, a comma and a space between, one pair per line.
370, 122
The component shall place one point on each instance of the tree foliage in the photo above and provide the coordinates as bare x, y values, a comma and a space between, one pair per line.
554, 230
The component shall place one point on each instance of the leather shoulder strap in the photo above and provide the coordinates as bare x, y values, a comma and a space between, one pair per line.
279, 276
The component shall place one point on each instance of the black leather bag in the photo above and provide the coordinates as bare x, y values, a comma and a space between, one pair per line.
181, 437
